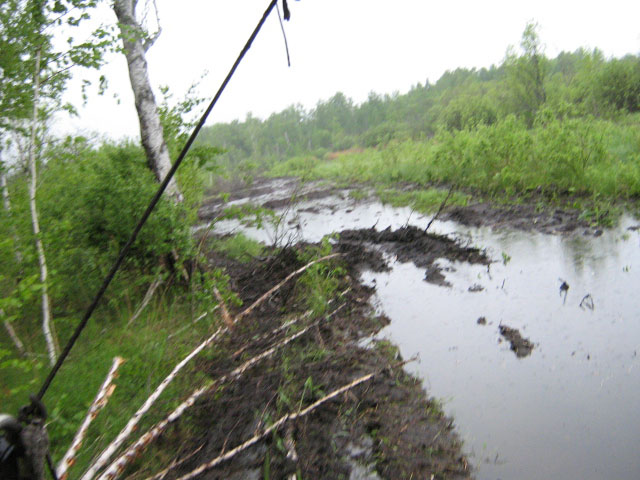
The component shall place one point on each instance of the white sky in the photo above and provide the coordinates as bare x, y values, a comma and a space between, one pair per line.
352, 46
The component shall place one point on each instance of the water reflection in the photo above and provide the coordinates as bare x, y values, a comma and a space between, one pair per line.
568, 411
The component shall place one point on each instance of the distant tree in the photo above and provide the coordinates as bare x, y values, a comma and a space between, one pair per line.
526, 75
618, 84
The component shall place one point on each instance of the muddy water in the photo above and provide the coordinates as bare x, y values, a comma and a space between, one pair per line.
570, 410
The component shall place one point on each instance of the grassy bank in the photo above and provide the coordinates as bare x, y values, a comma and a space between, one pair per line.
582, 163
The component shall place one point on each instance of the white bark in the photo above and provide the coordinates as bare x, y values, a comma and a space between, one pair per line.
273, 427
150, 127
117, 467
47, 326
14, 336
147, 298
133, 422
106, 390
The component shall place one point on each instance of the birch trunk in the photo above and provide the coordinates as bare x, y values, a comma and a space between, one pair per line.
135, 49
47, 326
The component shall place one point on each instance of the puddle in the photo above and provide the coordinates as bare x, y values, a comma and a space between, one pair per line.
567, 410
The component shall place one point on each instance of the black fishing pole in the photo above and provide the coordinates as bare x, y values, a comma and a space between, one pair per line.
36, 404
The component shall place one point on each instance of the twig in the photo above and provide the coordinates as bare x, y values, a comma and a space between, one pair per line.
14, 336
118, 466
290, 445
147, 298
133, 422
223, 307
275, 426
442, 205
193, 322
106, 390
250, 308
160, 475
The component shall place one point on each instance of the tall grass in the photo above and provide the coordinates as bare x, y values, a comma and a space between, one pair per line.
581, 156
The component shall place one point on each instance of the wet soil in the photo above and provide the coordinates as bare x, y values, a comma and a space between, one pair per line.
521, 346
528, 217
529, 214
386, 428
410, 244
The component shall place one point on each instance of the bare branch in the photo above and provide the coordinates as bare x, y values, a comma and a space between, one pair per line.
259, 301
147, 298
275, 426
14, 337
106, 390
118, 466
133, 422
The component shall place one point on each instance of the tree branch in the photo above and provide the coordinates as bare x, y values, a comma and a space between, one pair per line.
106, 390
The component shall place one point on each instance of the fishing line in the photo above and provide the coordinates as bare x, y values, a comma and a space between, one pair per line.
152, 205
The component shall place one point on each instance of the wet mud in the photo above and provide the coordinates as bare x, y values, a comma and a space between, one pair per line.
527, 214
387, 428
410, 244
521, 346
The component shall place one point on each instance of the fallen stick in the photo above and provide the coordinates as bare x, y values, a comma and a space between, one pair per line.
14, 336
286, 325
193, 322
133, 422
275, 426
106, 390
250, 308
442, 205
147, 298
223, 307
118, 465
160, 475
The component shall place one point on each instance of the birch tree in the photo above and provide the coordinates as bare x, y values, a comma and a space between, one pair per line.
136, 42
33, 77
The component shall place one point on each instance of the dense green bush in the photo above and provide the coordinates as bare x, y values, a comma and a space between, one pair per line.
89, 201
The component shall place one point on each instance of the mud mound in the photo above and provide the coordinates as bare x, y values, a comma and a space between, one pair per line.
410, 244
520, 345
526, 217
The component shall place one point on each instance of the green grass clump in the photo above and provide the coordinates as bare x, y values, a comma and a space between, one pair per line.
424, 201
238, 247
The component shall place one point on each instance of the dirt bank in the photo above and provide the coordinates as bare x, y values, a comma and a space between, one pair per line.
387, 428
533, 214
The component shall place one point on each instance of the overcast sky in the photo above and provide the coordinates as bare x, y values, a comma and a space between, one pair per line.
352, 46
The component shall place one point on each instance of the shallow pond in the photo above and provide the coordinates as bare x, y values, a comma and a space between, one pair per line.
571, 409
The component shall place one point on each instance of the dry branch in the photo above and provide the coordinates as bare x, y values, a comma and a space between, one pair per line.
193, 322
259, 301
14, 336
275, 426
100, 401
147, 298
442, 205
118, 466
133, 422
223, 308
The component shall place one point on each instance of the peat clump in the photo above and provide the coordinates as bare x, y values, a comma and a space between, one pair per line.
520, 345
411, 244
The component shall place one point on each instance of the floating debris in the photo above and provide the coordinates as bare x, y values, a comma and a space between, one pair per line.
521, 346
587, 302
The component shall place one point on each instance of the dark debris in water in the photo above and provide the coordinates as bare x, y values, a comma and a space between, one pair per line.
520, 345
411, 244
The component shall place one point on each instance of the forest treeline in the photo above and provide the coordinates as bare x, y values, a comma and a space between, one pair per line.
569, 112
